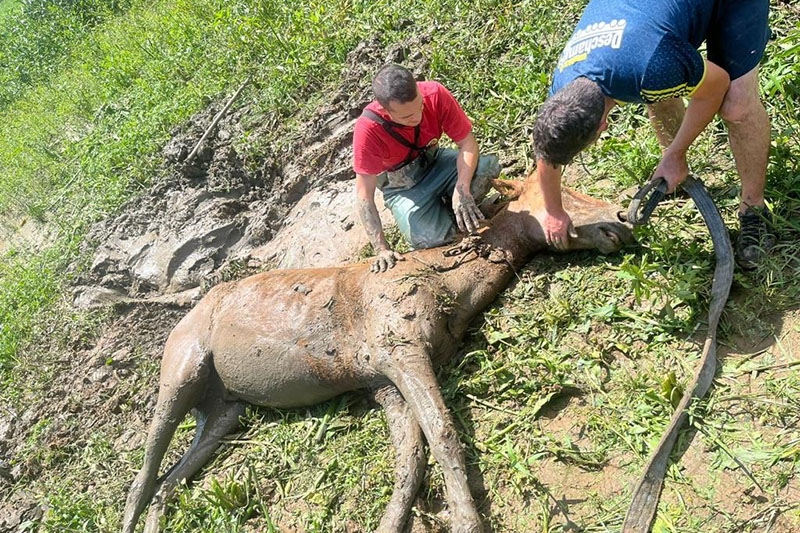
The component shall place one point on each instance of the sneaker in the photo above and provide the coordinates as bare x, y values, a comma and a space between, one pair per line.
756, 236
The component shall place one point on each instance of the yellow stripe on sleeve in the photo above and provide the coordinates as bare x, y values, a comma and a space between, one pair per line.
702, 79
684, 89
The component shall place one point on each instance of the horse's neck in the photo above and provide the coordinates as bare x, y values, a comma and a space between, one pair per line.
480, 277
510, 233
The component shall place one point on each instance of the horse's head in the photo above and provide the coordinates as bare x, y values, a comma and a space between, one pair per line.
600, 225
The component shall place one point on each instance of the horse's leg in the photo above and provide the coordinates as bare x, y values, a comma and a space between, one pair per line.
215, 418
409, 461
410, 369
179, 390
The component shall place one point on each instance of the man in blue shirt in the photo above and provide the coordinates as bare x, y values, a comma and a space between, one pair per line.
646, 51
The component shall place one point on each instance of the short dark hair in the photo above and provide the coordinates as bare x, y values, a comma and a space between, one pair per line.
393, 82
568, 121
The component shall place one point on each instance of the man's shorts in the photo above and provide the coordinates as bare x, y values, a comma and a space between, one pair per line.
424, 212
738, 35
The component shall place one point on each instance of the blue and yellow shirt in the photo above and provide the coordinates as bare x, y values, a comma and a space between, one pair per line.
638, 50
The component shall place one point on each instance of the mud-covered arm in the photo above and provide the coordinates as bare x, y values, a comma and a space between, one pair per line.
468, 216
703, 105
385, 257
556, 223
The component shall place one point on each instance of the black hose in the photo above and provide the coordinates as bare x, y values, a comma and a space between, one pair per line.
644, 502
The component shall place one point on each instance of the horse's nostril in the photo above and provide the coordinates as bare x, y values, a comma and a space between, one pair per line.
622, 216
612, 236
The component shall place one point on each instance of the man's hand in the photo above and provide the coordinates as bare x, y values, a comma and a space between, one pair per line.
385, 260
557, 228
468, 216
673, 168
555, 222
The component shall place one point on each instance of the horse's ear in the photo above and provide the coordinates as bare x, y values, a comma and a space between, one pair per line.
511, 189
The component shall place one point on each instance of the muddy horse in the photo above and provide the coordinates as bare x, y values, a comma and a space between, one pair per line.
292, 338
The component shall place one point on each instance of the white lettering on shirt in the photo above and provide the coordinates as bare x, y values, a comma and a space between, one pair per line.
597, 35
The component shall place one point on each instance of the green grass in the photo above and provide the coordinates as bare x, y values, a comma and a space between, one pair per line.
9, 9
567, 377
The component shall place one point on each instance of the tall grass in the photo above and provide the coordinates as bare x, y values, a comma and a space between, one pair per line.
36, 35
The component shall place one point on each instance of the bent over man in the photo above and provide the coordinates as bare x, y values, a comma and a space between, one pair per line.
646, 51
396, 149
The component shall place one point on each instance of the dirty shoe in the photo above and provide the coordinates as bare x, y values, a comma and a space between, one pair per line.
756, 236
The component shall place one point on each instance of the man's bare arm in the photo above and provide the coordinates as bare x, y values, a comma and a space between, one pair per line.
368, 211
556, 223
371, 220
703, 105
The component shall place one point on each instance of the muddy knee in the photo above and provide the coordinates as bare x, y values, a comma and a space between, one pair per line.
742, 101
430, 226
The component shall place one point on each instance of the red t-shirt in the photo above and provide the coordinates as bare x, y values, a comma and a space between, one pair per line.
375, 151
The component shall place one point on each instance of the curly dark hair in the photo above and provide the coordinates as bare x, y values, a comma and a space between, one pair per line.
568, 121
394, 83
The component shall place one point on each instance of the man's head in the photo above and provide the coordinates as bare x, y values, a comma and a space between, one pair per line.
396, 90
569, 121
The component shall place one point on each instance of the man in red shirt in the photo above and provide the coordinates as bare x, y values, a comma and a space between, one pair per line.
395, 149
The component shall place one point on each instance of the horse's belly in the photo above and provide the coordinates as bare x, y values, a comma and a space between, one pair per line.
284, 373
287, 340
